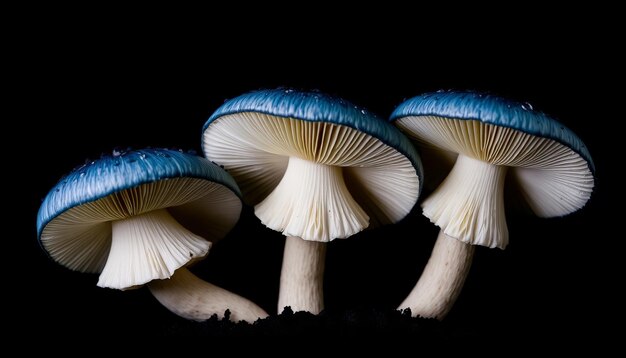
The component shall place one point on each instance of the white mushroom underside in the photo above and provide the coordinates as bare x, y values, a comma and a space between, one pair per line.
313, 203
553, 179
469, 203
147, 247
336, 166
80, 238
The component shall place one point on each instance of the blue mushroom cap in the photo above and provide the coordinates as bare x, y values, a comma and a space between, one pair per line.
111, 174
548, 164
316, 106
491, 109
257, 136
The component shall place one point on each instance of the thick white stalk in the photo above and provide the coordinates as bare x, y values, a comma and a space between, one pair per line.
469, 204
302, 276
442, 279
190, 297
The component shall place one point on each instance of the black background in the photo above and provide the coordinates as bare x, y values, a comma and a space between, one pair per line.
90, 92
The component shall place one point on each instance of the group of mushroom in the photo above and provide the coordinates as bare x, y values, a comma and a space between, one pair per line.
316, 168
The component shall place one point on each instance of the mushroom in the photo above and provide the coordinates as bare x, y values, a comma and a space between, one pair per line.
492, 138
316, 168
140, 217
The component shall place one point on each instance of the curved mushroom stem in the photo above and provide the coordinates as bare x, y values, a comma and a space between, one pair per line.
442, 279
302, 276
190, 297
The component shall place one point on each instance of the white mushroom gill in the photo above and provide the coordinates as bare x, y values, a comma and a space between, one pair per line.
256, 149
81, 237
312, 202
468, 204
147, 247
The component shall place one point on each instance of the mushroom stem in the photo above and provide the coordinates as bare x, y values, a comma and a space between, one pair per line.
302, 276
469, 204
442, 279
190, 297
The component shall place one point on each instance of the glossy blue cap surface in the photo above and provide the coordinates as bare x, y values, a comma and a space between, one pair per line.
111, 174
319, 107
